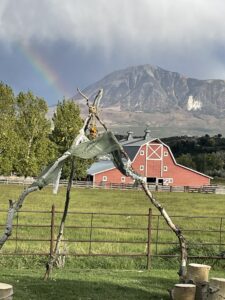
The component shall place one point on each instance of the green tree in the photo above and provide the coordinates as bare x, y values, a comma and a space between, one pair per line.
33, 129
201, 162
214, 162
8, 136
186, 160
67, 123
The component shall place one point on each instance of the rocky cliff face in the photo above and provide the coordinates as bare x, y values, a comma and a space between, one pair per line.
166, 102
151, 89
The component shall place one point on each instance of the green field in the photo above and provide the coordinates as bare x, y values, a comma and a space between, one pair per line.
181, 206
109, 277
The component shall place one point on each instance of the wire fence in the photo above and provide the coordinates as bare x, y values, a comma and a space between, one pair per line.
113, 235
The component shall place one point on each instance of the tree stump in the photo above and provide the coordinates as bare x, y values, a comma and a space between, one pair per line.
198, 274
6, 291
183, 291
216, 289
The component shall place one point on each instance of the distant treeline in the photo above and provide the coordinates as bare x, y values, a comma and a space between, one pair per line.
205, 154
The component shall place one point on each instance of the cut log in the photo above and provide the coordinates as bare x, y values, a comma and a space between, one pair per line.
6, 291
216, 289
183, 291
198, 273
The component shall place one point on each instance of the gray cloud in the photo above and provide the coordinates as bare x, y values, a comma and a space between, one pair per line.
101, 23
83, 40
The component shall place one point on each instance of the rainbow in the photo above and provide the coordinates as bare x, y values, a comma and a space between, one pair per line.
48, 74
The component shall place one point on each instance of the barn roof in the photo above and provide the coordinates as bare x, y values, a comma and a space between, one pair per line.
131, 151
132, 144
100, 166
136, 141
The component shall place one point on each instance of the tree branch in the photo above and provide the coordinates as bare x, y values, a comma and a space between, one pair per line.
182, 242
56, 254
98, 98
85, 97
14, 206
173, 227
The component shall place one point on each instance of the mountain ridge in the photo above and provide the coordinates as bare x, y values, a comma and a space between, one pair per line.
145, 90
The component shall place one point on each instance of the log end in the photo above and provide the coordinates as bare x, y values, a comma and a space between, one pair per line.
198, 273
183, 291
6, 291
218, 279
217, 287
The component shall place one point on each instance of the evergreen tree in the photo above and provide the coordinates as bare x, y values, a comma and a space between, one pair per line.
67, 123
35, 149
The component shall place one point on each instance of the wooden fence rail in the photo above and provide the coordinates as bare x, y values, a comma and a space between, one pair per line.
218, 189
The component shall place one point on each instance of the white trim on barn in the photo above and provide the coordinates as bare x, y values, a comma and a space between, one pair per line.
156, 153
184, 167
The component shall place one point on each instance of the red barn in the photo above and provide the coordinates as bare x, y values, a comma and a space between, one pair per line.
152, 159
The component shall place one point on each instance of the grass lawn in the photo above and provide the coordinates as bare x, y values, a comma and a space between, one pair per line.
92, 284
99, 277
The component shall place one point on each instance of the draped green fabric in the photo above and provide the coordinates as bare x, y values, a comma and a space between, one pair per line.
49, 175
104, 144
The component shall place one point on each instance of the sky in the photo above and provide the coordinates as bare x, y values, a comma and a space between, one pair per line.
51, 47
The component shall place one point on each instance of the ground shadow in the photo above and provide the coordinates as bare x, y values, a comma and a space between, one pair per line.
36, 289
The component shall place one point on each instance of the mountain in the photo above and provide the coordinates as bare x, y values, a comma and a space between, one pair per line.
151, 96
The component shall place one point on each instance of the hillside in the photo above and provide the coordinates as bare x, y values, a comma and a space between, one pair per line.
167, 102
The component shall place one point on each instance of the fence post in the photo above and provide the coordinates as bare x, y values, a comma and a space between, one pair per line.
52, 230
17, 224
221, 224
149, 238
157, 236
90, 241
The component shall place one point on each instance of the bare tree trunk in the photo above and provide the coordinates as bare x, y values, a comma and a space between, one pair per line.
14, 206
174, 228
56, 254
182, 242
